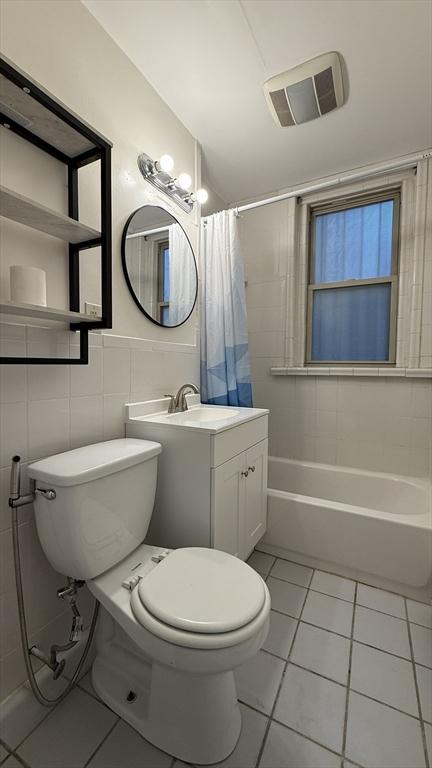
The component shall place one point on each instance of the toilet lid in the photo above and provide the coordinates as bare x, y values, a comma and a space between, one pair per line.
202, 590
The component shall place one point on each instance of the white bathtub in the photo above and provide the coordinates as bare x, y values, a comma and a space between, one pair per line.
364, 523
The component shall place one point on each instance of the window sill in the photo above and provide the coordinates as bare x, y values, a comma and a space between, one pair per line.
422, 373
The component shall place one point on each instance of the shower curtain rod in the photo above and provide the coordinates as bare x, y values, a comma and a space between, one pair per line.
410, 160
147, 232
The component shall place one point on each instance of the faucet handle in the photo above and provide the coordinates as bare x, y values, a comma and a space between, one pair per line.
172, 406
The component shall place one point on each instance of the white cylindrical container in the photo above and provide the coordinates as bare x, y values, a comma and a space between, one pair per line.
28, 285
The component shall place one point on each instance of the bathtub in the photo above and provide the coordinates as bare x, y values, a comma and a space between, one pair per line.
369, 525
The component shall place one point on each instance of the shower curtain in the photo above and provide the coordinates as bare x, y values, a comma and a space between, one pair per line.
225, 367
182, 276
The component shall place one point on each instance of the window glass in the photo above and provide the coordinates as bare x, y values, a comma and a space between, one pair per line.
353, 244
351, 323
166, 275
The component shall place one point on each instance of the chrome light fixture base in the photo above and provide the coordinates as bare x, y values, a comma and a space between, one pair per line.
164, 182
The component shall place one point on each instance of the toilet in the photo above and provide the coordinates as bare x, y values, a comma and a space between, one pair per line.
174, 624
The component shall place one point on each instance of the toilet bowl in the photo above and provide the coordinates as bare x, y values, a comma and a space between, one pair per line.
174, 624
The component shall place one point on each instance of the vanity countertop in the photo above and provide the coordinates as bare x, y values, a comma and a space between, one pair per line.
198, 417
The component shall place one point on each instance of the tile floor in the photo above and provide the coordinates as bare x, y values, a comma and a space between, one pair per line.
344, 680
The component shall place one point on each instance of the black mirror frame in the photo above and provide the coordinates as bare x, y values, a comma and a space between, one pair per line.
126, 274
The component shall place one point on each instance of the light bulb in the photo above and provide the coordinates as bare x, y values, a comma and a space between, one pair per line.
202, 196
184, 181
166, 163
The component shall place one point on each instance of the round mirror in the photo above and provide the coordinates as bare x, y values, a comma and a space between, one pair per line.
159, 266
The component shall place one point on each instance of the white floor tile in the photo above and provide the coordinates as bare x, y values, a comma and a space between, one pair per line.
322, 652
261, 562
285, 749
86, 683
125, 748
296, 574
420, 613
19, 714
382, 631
285, 597
379, 737
258, 681
428, 734
422, 644
382, 601
281, 633
424, 682
249, 744
313, 706
384, 677
332, 585
12, 762
3, 753
329, 613
75, 728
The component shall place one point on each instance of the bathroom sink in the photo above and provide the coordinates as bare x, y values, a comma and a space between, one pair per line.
210, 418
203, 414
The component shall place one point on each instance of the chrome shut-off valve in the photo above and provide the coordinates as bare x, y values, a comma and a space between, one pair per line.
15, 498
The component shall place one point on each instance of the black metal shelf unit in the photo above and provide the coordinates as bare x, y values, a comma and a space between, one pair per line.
32, 113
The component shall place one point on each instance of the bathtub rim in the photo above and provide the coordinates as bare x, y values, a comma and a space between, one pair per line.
417, 519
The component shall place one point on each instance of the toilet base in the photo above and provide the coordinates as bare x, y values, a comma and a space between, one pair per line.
195, 718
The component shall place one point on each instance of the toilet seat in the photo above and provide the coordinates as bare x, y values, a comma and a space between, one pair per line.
201, 598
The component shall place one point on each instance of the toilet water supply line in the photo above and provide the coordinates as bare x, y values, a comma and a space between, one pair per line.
16, 501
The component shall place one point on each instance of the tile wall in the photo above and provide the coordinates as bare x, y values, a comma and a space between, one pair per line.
374, 423
47, 409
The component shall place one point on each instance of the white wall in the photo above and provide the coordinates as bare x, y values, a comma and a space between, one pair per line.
382, 424
47, 409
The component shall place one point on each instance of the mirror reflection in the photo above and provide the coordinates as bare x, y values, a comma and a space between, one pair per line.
159, 266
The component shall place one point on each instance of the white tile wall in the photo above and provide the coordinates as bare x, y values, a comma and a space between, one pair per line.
48, 409
369, 422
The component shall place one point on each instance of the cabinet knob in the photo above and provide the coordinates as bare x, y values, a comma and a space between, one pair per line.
251, 469
245, 473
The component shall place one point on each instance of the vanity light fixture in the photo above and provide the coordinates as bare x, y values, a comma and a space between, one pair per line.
157, 172
166, 163
184, 181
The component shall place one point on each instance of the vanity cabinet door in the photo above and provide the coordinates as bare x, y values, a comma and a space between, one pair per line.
253, 511
226, 503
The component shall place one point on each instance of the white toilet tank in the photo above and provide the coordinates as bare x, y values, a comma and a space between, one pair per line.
104, 497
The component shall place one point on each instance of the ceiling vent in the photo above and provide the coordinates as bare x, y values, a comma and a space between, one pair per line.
305, 92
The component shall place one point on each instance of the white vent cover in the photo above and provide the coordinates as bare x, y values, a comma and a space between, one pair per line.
305, 92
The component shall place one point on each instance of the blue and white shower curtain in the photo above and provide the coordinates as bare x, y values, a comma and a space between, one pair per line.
225, 366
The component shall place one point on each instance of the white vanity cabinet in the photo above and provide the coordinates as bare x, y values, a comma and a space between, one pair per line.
212, 482
239, 501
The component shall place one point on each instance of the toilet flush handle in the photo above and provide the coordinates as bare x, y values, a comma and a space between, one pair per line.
47, 493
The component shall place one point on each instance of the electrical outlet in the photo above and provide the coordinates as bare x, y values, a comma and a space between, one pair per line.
94, 310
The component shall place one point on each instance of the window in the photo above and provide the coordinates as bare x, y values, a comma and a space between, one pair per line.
352, 291
163, 282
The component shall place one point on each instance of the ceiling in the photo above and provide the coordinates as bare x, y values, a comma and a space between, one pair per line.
208, 60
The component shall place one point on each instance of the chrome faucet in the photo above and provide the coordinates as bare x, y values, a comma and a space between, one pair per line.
178, 402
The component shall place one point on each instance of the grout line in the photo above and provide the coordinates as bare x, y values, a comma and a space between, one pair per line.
422, 728
305, 669
341, 685
48, 714
340, 576
19, 759
346, 637
102, 742
281, 682
345, 725
307, 738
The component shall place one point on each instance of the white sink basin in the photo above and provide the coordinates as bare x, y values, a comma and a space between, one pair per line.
209, 418
203, 414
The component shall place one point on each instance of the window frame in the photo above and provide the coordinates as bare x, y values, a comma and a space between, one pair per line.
163, 245
341, 204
